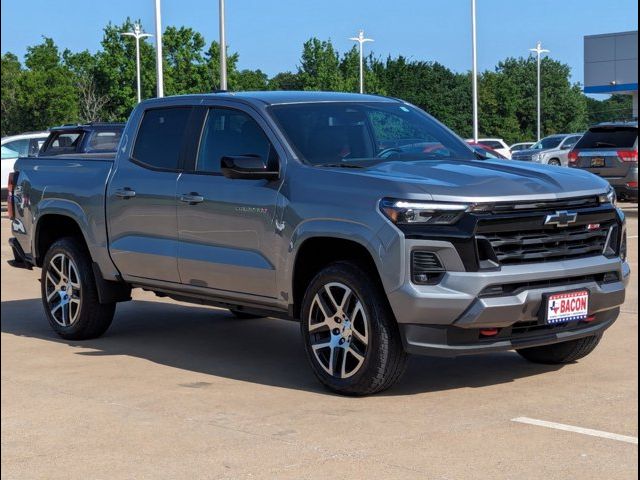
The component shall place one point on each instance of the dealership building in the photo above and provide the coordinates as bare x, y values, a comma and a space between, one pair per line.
611, 65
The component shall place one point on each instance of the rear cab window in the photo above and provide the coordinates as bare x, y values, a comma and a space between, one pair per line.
104, 140
609, 137
160, 138
63, 142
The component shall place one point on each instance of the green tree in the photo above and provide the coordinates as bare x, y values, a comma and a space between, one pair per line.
11, 71
185, 68
285, 81
45, 91
320, 66
563, 103
115, 72
250, 80
614, 108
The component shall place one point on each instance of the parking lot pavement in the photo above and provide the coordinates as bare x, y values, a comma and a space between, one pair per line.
176, 391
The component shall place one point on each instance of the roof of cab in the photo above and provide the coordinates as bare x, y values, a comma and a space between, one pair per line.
86, 126
280, 97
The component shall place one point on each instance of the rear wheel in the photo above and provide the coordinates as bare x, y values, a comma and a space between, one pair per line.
351, 337
69, 293
559, 353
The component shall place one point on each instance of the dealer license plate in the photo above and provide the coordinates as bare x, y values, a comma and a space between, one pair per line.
598, 162
567, 307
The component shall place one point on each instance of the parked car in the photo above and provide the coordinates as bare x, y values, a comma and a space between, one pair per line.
552, 142
496, 144
86, 138
610, 150
558, 156
15, 146
292, 205
485, 151
516, 147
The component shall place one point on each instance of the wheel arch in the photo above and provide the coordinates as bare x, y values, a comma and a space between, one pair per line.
315, 252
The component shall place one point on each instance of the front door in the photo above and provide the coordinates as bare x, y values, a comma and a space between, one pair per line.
226, 228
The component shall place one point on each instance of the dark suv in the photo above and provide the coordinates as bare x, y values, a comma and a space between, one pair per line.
86, 138
610, 150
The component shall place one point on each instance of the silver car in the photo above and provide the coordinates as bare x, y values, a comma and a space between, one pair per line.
558, 146
558, 156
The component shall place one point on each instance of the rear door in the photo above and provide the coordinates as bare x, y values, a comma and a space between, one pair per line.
227, 234
601, 150
141, 198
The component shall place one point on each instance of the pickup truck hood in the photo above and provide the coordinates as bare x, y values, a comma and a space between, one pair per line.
486, 180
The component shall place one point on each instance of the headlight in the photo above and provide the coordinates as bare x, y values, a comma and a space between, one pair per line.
609, 197
409, 212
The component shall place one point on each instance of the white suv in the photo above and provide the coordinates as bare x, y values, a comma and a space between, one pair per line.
24, 145
497, 144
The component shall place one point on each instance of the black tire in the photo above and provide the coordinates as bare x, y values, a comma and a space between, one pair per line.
384, 359
244, 315
555, 162
560, 353
92, 317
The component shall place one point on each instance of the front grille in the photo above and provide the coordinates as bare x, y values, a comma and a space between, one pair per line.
547, 245
543, 206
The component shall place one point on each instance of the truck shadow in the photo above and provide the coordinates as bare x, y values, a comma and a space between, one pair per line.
263, 351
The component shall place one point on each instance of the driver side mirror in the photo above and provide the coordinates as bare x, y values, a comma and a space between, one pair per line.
248, 167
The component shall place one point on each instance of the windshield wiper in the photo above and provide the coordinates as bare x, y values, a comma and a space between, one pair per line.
339, 165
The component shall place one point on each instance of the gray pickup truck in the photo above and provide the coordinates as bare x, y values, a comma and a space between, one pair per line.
360, 216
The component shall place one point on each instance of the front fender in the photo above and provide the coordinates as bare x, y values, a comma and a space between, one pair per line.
384, 246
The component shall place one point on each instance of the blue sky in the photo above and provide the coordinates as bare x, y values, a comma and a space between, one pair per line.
269, 34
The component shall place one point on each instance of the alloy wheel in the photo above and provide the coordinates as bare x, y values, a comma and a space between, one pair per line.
63, 290
338, 330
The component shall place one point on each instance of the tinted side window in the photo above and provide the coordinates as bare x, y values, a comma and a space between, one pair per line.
160, 137
227, 133
491, 144
571, 141
20, 146
607, 137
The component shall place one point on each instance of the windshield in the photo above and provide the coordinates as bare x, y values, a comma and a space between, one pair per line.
548, 142
363, 134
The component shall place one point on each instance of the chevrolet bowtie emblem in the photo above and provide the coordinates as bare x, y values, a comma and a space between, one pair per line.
561, 219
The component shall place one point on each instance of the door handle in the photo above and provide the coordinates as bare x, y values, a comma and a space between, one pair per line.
125, 193
191, 198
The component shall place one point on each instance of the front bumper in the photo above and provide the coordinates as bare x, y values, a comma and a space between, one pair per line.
451, 341
428, 315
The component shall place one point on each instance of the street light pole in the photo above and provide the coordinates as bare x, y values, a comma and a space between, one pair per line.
539, 51
137, 34
223, 50
159, 79
361, 41
474, 70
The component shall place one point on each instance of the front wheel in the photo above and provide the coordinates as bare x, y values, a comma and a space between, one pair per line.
69, 293
555, 162
560, 353
351, 337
